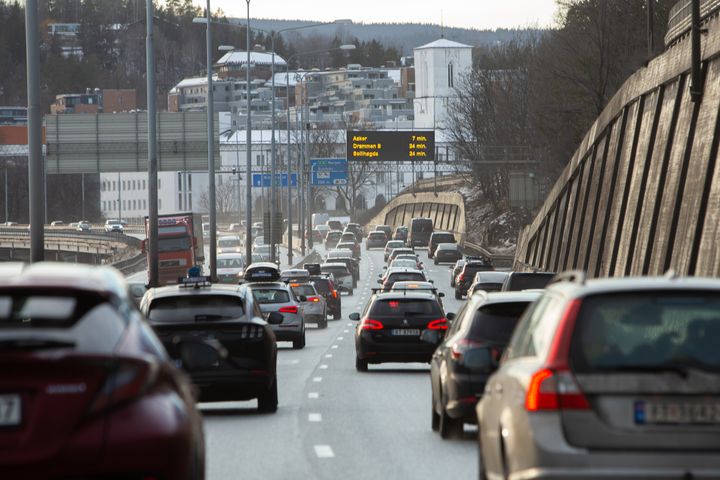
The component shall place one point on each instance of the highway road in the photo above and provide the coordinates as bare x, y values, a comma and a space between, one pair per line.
334, 422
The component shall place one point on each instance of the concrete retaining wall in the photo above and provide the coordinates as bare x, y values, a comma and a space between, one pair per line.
641, 195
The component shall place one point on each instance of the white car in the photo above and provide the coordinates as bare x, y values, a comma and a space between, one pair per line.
114, 226
229, 267
229, 244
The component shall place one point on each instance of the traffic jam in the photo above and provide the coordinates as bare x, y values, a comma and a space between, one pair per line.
550, 375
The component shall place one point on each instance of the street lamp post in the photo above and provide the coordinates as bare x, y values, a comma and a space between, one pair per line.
248, 148
211, 149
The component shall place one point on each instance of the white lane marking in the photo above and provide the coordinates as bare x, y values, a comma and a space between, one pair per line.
313, 395
323, 367
317, 379
334, 346
340, 338
346, 331
324, 451
288, 362
350, 324
329, 355
314, 417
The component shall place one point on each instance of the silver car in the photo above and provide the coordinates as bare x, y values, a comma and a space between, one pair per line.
487, 281
608, 379
312, 304
277, 297
230, 267
229, 244
342, 275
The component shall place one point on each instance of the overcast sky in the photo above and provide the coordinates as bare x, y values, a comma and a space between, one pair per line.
480, 14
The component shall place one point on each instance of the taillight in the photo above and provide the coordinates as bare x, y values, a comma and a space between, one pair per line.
127, 379
313, 299
439, 324
554, 387
292, 309
461, 277
459, 348
368, 324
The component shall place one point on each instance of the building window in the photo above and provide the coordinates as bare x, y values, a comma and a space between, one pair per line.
134, 205
180, 202
160, 203
189, 205
159, 183
144, 187
189, 181
114, 187
451, 75
180, 181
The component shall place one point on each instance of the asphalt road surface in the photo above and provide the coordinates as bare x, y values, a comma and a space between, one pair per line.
336, 423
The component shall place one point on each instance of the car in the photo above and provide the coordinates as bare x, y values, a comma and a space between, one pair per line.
447, 252
403, 286
393, 275
313, 305
57, 223
114, 226
414, 257
295, 275
436, 238
386, 229
325, 285
229, 244
332, 238
235, 228
455, 271
312, 268
258, 240
230, 267
346, 256
275, 297
229, 317
349, 236
264, 252
420, 231
467, 274
404, 263
526, 281
469, 353
83, 226
391, 326
390, 246
487, 282
399, 251
84, 377
376, 239
356, 229
317, 235
342, 275
323, 229
401, 233
11, 224
352, 246
608, 378
335, 225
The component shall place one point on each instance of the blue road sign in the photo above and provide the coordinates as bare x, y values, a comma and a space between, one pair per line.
260, 180
328, 172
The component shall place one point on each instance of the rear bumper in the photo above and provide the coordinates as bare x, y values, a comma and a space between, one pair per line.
463, 391
447, 258
402, 352
314, 318
232, 384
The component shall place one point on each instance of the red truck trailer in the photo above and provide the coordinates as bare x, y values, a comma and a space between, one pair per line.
180, 245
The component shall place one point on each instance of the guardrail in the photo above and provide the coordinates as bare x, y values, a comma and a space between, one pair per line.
680, 18
132, 265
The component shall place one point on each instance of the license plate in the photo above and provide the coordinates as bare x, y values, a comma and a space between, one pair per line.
407, 332
10, 410
678, 413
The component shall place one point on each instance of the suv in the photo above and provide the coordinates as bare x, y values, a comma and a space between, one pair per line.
326, 287
608, 378
230, 317
526, 281
332, 239
401, 233
376, 239
342, 275
113, 226
356, 229
467, 275
436, 238
390, 246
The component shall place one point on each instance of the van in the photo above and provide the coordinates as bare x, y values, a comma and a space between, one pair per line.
420, 231
320, 219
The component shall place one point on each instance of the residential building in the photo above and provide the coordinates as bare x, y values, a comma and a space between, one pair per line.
13, 116
95, 101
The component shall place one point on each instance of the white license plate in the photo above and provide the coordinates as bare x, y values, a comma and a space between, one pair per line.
10, 410
678, 413
408, 332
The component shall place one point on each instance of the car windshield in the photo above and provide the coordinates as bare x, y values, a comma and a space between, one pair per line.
403, 263
229, 242
194, 308
405, 276
229, 263
403, 306
271, 295
174, 244
496, 322
647, 329
524, 281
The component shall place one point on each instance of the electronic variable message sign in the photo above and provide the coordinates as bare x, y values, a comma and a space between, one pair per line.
391, 146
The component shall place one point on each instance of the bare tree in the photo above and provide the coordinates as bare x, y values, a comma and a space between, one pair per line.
225, 198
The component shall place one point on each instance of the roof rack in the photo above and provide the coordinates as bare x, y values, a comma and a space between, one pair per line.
573, 276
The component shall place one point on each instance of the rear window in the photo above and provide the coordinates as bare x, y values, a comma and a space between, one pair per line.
40, 310
229, 262
195, 308
524, 281
422, 225
377, 235
496, 322
406, 277
394, 244
489, 287
341, 271
443, 238
402, 307
229, 242
270, 295
472, 269
306, 290
647, 329
322, 285
403, 263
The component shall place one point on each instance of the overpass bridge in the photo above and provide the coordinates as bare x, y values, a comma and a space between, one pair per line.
641, 195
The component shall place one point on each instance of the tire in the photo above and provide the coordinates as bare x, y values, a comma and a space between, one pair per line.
268, 401
337, 316
458, 296
299, 344
361, 365
435, 260
323, 323
434, 417
449, 427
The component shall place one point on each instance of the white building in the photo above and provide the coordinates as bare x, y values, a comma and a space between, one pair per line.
439, 65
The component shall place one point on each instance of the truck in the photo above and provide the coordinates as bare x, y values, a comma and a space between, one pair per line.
180, 245
319, 219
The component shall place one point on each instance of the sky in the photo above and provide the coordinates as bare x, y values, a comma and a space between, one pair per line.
479, 14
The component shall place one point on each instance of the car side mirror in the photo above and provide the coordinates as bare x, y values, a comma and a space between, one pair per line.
302, 298
379, 281
275, 318
441, 295
384, 267
479, 360
431, 281
197, 355
431, 336
380, 274
450, 316
355, 317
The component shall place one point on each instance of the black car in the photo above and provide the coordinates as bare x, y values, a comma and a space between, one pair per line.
401, 233
376, 239
436, 238
386, 229
526, 280
468, 354
356, 229
326, 287
391, 326
467, 275
229, 317
447, 252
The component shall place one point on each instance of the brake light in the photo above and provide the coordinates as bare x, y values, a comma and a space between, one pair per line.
292, 309
461, 277
554, 387
439, 324
334, 293
127, 379
369, 324
313, 299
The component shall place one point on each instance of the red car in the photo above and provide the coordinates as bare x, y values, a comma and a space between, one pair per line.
87, 390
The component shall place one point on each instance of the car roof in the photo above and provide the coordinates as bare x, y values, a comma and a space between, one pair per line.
487, 298
634, 284
491, 277
170, 291
403, 270
405, 294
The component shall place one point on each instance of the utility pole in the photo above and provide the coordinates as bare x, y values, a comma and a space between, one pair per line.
211, 148
152, 244
248, 150
696, 84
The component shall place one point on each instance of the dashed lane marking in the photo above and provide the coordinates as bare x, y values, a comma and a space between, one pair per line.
313, 395
346, 331
324, 451
329, 355
340, 338
317, 379
334, 346
323, 367
314, 417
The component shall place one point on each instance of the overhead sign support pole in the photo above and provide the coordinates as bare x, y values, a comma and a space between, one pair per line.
152, 245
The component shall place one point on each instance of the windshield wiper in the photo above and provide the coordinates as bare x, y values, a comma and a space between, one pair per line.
34, 344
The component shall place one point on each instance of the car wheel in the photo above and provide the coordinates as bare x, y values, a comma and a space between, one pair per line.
299, 343
323, 323
449, 427
351, 291
268, 401
458, 296
361, 365
434, 418
337, 316
435, 260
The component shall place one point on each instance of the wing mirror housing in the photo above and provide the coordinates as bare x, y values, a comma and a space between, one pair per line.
431, 336
275, 318
355, 317
450, 316
198, 355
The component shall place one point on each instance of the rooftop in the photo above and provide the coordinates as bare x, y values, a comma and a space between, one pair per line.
443, 43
